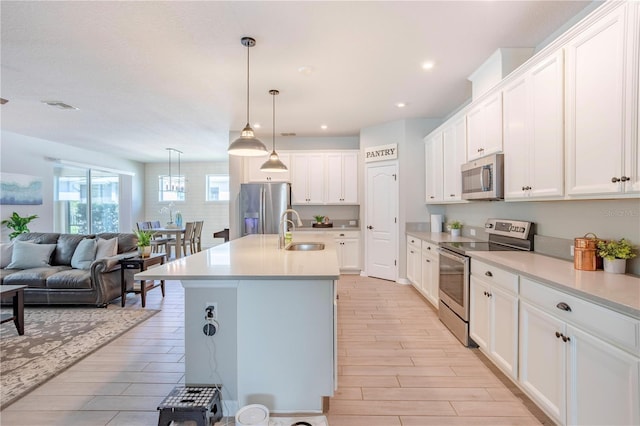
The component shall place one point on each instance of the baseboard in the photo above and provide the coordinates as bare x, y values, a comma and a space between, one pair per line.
403, 281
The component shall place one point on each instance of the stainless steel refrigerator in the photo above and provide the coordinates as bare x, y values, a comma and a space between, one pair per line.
262, 206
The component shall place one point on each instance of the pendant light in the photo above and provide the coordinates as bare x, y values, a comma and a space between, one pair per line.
273, 164
173, 186
247, 145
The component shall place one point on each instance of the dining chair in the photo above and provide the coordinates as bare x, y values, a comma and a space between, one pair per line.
155, 224
143, 225
186, 239
196, 241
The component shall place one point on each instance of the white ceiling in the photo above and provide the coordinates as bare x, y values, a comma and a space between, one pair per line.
151, 75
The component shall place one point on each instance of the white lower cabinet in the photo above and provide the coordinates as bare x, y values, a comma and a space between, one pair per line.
414, 273
430, 273
493, 322
348, 253
576, 377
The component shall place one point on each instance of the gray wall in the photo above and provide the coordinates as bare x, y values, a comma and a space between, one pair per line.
32, 156
408, 134
608, 219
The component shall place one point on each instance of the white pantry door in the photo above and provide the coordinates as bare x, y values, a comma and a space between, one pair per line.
381, 228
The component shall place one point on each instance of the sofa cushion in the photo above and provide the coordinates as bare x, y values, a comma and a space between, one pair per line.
107, 248
85, 254
39, 237
126, 242
6, 272
28, 255
66, 247
6, 250
70, 279
34, 278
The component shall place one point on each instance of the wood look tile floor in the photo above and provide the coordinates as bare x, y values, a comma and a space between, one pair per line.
397, 365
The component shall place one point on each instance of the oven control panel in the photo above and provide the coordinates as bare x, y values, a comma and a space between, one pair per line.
508, 228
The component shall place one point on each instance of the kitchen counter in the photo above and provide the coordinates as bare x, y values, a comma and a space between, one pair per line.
439, 237
332, 228
255, 257
275, 321
615, 291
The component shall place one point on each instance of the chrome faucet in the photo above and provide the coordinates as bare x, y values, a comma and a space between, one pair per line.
283, 226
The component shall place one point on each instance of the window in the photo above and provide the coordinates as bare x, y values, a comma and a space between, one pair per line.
171, 188
87, 201
217, 187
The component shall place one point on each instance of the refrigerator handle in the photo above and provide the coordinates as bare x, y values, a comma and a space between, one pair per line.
262, 210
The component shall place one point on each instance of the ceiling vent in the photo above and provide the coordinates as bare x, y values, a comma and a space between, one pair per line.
59, 105
287, 134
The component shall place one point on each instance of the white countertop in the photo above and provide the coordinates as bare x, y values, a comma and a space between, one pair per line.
439, 237
616, 291
253, 257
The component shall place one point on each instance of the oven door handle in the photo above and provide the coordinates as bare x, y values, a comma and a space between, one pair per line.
454, 256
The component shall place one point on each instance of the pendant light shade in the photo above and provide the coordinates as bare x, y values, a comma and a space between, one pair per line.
273, 164
247, 145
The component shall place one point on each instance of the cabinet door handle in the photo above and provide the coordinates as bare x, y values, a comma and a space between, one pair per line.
428, 261
566, 339
428, 248
558, 335
523, 188
488, 273
563, 306
615, 179
369, 227
625, 178
452, 195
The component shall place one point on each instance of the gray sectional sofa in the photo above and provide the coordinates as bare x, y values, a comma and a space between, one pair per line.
58, 283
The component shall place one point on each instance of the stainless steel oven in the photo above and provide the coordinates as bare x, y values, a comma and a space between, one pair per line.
455, 270
453, 307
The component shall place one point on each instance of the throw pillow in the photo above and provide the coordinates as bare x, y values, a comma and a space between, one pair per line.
28, 255
107, 248
85, 254
6, 250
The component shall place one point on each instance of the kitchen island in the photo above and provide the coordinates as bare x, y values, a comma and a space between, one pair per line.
275, 340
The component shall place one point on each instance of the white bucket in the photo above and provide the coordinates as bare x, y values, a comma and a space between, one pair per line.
253, 415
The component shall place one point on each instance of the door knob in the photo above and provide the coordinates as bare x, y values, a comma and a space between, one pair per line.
369, 227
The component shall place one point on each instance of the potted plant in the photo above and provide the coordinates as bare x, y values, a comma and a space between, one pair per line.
18, 224
144, 241
455, 228
319, 219
615, 254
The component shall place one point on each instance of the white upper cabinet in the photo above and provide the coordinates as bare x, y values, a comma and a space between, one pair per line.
533, 132
254, 174
433, 167
342, 178
601, 151
324, 177
484, 127
454, 153
308, 178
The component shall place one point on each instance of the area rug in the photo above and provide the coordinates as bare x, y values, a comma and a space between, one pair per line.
54, 339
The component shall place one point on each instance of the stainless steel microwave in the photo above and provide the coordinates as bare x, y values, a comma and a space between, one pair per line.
482, 179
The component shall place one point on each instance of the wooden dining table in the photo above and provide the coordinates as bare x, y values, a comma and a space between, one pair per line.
178, 233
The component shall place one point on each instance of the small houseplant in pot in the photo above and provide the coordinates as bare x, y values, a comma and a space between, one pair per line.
144, 241
18, 224
319, 219
615, 254
455, 228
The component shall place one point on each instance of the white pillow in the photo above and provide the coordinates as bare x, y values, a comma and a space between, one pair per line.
6, 250
85, 254
28, 255
107, 248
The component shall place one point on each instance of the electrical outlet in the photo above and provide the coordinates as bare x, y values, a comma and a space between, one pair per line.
211, 310
572, 250
472, 232
352, 222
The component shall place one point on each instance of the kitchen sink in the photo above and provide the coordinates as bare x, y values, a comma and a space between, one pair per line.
305, 247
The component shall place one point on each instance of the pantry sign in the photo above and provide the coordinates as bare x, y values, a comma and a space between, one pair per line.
380, 153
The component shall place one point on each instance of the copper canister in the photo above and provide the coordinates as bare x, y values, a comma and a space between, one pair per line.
585, 252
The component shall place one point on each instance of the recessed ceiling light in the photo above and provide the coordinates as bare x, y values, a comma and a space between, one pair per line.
257, 125
59, 105
401, 104
323, 127
428, 65
305, 70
